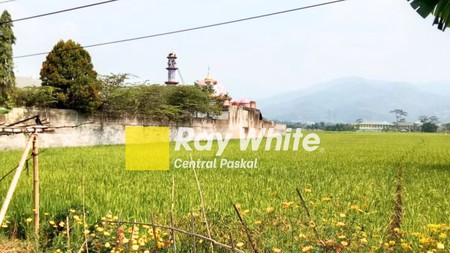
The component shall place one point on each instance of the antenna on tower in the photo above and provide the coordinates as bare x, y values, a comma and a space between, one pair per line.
181, 77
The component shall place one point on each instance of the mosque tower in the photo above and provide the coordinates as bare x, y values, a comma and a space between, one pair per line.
171, 69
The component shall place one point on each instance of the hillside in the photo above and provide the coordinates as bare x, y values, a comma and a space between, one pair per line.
348, 99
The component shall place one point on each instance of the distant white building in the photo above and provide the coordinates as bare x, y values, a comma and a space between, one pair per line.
367, 126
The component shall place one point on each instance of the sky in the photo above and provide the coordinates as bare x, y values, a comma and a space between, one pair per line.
374, 39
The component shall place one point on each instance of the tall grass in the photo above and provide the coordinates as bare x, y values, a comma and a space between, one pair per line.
349, 171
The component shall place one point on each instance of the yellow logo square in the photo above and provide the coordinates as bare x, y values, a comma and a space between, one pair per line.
147, 148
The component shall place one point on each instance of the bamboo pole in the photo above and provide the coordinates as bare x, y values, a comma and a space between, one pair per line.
171, 215
35, 186
15, 180
203, 208
194, 240
154, 232
247, 231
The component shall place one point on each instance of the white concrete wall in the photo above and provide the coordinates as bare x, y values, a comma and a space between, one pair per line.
109, 131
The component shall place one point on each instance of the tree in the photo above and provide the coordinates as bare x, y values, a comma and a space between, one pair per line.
109, 87
429, 127
7, 78
69, 69
439, 8
423, 118
190, 100
400, 116
41, 96
429, 124
446, 127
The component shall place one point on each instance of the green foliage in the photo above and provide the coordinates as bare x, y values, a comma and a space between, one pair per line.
155, 102
446, 127
439, 8
208, 88
340, 127
109, 86
429, 124
429, 127
4, 110
7, 77
190, 100
42, 96
400, 116
68, 68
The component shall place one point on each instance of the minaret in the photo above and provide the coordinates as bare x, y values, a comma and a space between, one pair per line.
171, 69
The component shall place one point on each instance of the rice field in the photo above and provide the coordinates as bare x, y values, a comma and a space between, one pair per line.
349, 185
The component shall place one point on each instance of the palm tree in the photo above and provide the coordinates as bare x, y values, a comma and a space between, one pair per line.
439, 8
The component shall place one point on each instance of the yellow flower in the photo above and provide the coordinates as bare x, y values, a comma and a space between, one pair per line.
344, 243
424, 241
440, 245
147, 251
356, 208
342, 215
61, 224
270, 209
405, 245
72, 210
76, 217
239, 244
340, 224
107, 245
287, 204
363, 240
302, 236
29, 220
135, 247
276, 250
341, 236
258, 222
307, 248
307, 190
392, 243
326, 199
51, 222
442, 235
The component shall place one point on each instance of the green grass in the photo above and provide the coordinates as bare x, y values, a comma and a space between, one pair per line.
349, 169
4, 110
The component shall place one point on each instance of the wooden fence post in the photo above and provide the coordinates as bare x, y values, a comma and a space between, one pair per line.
35, 186
15, 180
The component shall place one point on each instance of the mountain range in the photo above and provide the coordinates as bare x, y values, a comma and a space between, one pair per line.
347, 99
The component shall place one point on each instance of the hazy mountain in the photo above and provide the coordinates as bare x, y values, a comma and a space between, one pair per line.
349, 99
